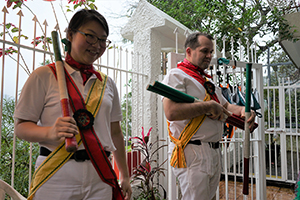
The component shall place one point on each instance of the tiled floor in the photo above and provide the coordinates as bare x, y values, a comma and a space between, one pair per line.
273, 193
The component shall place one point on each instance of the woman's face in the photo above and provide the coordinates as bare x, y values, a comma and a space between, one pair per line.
82, 51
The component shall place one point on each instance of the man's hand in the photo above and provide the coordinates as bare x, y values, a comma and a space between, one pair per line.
217, 111
251, 119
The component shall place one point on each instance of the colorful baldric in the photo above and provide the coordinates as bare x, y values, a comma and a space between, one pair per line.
177, 157
85, 112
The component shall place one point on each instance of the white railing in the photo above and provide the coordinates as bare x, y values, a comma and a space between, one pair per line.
282, 131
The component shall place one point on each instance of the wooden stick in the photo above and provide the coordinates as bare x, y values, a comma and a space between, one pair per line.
70, 143
247, 130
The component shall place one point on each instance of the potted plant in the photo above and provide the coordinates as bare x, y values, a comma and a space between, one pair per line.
144, 173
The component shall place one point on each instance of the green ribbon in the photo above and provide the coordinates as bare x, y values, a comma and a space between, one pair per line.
67, 43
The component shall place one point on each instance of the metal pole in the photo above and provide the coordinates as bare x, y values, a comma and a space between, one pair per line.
269, 73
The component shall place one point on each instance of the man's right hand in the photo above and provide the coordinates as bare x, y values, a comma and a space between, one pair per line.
216, 111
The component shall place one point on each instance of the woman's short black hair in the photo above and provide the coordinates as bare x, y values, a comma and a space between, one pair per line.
83, 16
192, 40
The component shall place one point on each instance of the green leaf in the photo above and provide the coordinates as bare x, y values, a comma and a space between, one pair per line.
92, 6
8, 25
76, 6
24, 36
14, 30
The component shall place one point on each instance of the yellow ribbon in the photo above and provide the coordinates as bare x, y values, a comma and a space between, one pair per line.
60, 156
177, 157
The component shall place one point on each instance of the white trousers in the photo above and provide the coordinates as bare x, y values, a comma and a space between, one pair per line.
74, 181
199, 181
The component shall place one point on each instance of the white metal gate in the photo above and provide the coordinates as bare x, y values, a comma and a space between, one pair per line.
282, 130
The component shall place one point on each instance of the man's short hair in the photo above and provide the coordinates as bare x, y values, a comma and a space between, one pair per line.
192, 40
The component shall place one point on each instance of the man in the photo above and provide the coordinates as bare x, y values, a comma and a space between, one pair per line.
196, 128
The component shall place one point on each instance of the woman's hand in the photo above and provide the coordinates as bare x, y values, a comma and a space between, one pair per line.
49, 136
62, 128
126, 188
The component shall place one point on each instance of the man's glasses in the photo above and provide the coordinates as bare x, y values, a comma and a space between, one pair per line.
92, 39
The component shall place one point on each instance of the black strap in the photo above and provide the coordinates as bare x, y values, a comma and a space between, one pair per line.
79, 156
214, 145
195, 142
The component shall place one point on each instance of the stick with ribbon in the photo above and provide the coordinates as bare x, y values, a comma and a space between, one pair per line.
70, 143
247, 130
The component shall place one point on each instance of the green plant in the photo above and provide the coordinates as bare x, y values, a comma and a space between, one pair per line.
242, 20
144, 172
21, 149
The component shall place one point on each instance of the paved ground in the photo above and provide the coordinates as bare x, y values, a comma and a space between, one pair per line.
273, 192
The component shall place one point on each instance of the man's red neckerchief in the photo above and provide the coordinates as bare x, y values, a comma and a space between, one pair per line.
197, 73
85, 70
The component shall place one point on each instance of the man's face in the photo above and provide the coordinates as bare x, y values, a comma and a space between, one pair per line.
202, 55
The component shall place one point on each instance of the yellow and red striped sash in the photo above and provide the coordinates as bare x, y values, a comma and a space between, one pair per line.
88, 137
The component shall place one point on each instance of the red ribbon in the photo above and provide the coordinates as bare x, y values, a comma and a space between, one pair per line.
197, 73
85, 70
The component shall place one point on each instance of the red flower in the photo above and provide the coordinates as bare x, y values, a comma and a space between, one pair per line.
40, 39
8, 3
76, 1
18, 2
10, 50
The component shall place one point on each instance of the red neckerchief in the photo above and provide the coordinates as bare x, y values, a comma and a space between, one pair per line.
197, 73
85, 70
90, 140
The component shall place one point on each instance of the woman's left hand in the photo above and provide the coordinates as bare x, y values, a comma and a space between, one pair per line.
126, 188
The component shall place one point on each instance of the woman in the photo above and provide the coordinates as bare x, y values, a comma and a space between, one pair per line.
87, 173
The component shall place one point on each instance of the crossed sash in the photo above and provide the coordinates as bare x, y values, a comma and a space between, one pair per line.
88, 137
177, 157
